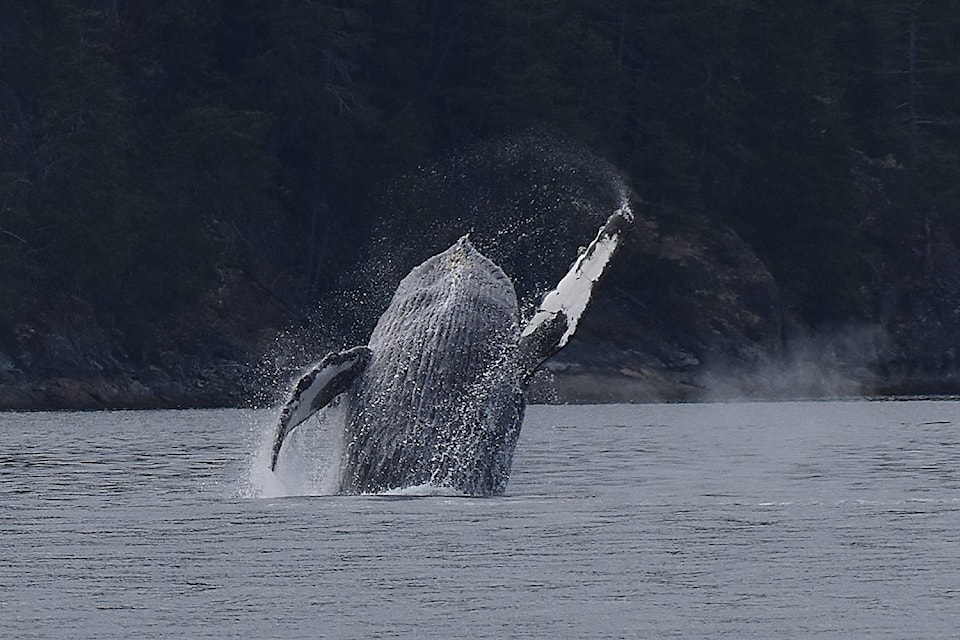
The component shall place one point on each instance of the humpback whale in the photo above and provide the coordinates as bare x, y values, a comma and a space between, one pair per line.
436, 395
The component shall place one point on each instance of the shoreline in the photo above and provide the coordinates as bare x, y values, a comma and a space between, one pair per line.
582, 387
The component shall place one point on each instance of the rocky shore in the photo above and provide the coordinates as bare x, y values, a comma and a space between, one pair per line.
683, 316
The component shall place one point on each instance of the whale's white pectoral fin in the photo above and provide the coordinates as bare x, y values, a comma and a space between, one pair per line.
570, 298
316, 388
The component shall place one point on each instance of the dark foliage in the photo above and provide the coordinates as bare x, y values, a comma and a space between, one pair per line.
145, 145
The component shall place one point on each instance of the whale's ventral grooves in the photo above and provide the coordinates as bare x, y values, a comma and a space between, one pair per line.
436, 395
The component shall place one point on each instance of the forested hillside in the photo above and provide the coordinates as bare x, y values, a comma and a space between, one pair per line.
158, 159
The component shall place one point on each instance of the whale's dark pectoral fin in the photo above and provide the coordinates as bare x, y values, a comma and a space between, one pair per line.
540, 343
316, 388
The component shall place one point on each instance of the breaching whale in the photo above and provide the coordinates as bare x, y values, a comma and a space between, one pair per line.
436, 395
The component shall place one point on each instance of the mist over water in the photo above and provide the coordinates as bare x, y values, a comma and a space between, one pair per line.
837, 362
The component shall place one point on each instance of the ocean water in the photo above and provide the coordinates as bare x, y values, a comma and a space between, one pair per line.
759, 520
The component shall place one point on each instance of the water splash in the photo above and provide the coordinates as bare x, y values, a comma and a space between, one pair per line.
311, 459
426, 490
528, 202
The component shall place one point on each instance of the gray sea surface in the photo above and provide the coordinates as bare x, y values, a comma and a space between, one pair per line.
738, 520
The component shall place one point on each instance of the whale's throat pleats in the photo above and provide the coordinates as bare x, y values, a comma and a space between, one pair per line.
440, 401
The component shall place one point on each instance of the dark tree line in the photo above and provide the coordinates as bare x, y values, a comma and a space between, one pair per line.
144, 145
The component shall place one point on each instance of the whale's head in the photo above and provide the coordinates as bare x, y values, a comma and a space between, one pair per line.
460, 273
461, 256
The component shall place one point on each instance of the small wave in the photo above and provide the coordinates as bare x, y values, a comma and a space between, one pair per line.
425, 490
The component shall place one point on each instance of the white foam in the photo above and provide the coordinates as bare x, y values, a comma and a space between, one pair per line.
424, 490
309, 464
